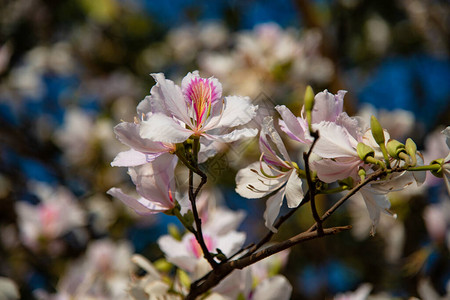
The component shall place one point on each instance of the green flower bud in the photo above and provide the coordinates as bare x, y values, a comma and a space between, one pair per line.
362, 174
364, 151
377, 130
162, 265
184, 278
437, 173
309, 105
309, 99
174, 232
394, 148
411, 149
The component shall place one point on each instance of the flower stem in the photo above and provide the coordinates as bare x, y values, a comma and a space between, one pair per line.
193, 197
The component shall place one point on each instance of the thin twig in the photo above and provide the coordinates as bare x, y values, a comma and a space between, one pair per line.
192, 198
311, 184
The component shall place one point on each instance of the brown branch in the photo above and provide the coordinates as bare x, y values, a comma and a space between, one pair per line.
192, 199
223, 270
311, 184
352, 192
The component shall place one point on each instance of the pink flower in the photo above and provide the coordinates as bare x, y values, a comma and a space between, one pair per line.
272, 173
197, 108
155, 185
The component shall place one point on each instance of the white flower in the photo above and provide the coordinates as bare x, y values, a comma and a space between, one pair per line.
195, 109
155, 185
271, 174
188, 255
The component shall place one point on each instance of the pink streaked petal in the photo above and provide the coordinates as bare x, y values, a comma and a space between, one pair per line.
237, 111
190, 78
334, 141
130, 158
269, 155
295, 128
273, 206
294, 191
329, 170
166, 94
269, 130
161, 128
140, 206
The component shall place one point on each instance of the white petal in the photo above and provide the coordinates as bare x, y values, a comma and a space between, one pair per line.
161, 128
267, 128
294, 191
237, 111
327, 106
234, 135
141, 206
230, 242
329, 170
128, 133
168, 94
252, 185
130, 158
293, 126
273, 288
273, 206
334, 141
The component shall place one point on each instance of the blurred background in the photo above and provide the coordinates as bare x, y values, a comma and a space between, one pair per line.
71, 70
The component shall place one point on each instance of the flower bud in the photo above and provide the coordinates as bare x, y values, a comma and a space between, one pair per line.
377, 130
309, 105
394, 148
437, 173
174, 232
184, 278
411, 149
364, 151
309, 99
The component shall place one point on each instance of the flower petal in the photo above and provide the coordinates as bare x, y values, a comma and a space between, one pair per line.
273, 206
274, 288
251, 185
294, 191
295, 128
334, 141
128, 133
169, 95
130, 158
268, 130
329, 170
237, 111
234, 135
140, 206
161, 128
327, 106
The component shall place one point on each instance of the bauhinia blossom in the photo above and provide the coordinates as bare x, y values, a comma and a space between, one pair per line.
142, 150
195, 109
155, 185
271, 174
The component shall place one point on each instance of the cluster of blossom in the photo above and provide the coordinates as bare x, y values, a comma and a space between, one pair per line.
187, 123
248, 61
